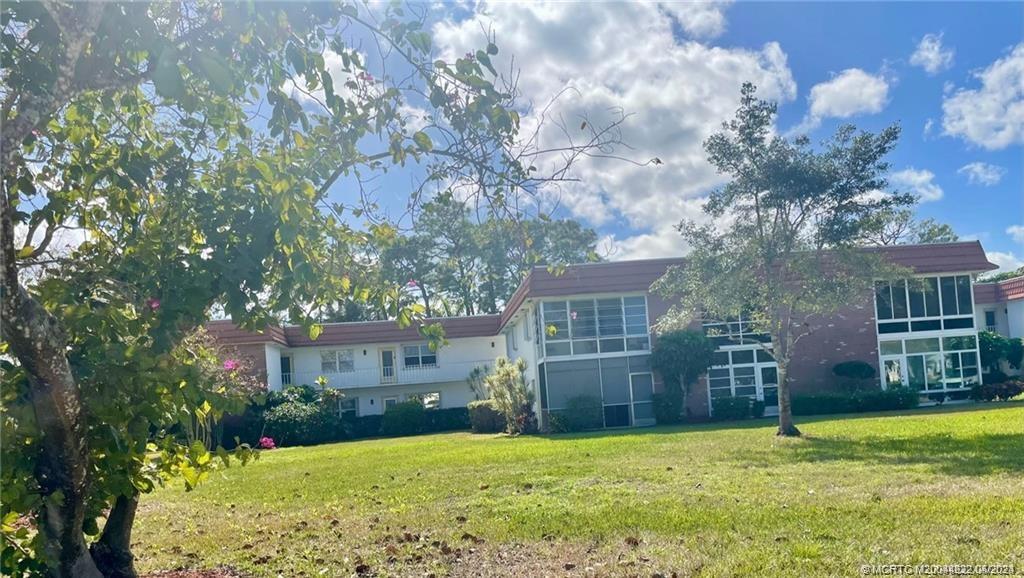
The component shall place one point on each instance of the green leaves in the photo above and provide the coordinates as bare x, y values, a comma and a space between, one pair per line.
423, 141
167, 75
217, 72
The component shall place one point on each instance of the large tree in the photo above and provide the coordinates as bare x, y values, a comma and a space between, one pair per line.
207, 155
897, 226
783, 250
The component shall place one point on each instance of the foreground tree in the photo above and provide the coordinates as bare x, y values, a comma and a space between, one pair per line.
193, 148
785, 253
681, 357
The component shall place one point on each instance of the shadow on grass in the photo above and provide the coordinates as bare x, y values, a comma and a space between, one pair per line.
976, 455
766, 422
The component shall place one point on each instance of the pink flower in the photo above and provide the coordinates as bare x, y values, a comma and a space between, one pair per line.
230, 364
411, 283
573, 315
470, 56
153, 303
267, 443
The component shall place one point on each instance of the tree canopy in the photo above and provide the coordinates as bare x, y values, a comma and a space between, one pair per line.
206, 155
782, 250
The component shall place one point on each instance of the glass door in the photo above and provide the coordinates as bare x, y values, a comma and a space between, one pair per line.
387, 366
286, 371
769, 386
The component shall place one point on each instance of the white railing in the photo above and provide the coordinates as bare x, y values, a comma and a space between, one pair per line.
369, 377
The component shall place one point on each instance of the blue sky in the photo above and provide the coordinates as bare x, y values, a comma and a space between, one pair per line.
952, 75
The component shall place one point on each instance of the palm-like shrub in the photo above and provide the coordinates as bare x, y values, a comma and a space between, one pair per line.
511, 396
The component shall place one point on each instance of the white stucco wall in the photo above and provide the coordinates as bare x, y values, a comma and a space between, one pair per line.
1015, 318
371, 399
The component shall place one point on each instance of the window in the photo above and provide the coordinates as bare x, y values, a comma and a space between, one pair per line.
930, 364
733, 331
526, 328
419, 356
990, 320
736, 372
920, 304
387, 402
589, 326
430, 400
348, 406
337, 361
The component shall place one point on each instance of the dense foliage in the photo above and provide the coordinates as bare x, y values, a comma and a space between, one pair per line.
877, 400
507, 388
997, 349
736, 408
784, 243
581, 413
681, 356
484, 416
202, 154
998, 390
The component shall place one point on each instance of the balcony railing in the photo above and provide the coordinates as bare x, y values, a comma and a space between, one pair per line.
377, 376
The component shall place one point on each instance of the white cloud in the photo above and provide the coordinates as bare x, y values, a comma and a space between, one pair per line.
931, 56
979, 173
991, 116
917, 182
700, 20
1016, 232
849, 93
1006, 261
928, 125
627, 58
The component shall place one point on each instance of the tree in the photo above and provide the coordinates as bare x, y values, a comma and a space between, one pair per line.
995, 349
789, 218
894, 226
1019, 272
195, 147
681, 357
507, 387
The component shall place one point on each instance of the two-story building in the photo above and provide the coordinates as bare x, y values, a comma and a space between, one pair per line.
587, 331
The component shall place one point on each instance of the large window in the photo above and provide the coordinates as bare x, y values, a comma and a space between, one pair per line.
733, 331
744, 372
930, 364
924, 304
589, 326
348, 406
624, 385
336, 361
419, 356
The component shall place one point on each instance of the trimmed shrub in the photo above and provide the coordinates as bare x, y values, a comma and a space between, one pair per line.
854, 370
757, 408
296, 423
876, 400
583, 412
998, 391
484, 417
730, 408
366, 426
450, 419
668, 406
403, 419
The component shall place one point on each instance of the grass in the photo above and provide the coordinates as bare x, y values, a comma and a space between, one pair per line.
936, 486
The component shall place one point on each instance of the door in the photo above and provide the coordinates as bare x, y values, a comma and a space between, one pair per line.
387, 366
286, 371
769, 385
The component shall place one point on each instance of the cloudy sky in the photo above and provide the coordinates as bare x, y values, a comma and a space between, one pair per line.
952, 75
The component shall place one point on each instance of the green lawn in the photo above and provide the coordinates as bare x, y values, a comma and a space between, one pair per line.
938, 486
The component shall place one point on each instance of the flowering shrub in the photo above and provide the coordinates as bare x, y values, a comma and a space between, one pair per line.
267, 443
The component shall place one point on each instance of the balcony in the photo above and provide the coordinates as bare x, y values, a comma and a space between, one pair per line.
440, 373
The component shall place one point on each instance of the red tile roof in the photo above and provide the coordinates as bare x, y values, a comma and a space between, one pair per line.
960, 257
1007, 290
389, 332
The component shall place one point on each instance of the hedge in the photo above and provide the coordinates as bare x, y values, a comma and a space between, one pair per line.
484, 417
1002, 391
877, 400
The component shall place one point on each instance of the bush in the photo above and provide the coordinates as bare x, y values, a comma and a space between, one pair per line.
728, 408
366, 426
484, 417
876, 400
757, 408
581, 413
854, 370
668, 406
450, 419
511, 396
998, 391
403, 419
297, 423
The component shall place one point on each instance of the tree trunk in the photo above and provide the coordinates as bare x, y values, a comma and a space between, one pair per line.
112, 552
62, 467
786, 426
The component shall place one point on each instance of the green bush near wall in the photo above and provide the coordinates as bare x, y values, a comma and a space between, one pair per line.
877, 400
581, 413
732, 408
484, 417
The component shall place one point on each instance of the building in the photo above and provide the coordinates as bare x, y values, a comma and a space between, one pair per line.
1001, 306
587, 331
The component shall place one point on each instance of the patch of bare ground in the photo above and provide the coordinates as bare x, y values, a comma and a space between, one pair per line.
222, 572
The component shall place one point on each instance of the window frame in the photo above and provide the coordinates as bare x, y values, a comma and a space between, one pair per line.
620, 341
419, 356
337, 354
